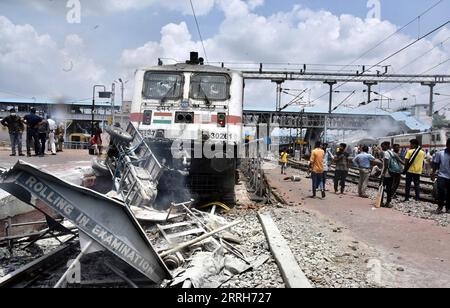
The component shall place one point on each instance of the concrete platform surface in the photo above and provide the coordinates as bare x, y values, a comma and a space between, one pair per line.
418, 249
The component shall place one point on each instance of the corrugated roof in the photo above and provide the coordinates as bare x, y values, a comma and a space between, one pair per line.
29, 101
410, 121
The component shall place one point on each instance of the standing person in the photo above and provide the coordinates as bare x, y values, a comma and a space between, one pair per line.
355, 151
342, 167
441, 162
327, 159
414, 167
391, 168
43, 131
32, 120
15, 128
428, 164
316, 168
363, 162
284, 161
51, 134
98, 137
60, 137
397, 177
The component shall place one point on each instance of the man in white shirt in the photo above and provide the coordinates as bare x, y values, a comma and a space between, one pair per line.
51, 136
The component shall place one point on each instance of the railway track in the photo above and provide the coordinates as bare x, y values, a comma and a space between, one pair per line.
426, 185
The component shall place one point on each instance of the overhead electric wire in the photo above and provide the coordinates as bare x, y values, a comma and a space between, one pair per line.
398, 31
346, 99
199, 32
414, 60
392, 55
390, 36
424, 72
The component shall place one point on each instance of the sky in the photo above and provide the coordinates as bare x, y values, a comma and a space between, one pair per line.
47, 52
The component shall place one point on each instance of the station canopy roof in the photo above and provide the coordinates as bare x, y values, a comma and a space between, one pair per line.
85, 102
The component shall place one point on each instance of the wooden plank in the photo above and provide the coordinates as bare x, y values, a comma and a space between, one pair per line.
291, 272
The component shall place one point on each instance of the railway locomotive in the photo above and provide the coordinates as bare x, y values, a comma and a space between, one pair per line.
190, 115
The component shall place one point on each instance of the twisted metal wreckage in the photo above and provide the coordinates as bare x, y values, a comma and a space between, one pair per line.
179, 246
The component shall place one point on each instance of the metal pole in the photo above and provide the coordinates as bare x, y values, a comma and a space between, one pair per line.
279, 90
92, 111
331, 83
369, 85
113, 99
93, 107
123, 91
431, 85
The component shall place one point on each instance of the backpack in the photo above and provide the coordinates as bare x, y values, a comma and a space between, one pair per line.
394, 165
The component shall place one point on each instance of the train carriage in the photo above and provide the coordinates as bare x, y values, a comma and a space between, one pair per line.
430, 141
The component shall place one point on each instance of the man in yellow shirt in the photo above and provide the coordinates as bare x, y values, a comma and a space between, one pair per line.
414, 168
317, 168
284, 161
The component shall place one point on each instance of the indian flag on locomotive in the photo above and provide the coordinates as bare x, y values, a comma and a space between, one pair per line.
162, 118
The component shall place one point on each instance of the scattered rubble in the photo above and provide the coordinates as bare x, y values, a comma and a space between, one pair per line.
327, 261
254, 243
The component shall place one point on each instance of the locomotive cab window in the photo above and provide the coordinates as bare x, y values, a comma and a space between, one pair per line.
210, 87
162, 86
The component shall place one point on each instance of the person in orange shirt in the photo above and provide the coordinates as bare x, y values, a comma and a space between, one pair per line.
316, 168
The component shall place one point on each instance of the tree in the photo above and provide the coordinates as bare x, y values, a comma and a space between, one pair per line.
440, 121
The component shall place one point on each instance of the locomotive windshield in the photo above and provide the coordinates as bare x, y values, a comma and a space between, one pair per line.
162, 86
210, 87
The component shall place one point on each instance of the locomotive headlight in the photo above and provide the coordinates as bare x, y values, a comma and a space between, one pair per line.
222, 119
180, 118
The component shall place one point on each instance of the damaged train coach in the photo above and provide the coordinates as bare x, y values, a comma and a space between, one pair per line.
190, 115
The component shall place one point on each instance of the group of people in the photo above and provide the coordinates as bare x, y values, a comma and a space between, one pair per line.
391, 163
41, 134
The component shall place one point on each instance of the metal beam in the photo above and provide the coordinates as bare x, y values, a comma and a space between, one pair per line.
313, 120
345, 77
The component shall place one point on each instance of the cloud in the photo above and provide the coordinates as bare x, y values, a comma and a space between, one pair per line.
100, 7
297, 36
34, 63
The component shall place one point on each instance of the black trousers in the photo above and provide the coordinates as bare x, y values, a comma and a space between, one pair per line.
412, 177
395, 182
388, 189
43, 139
340, 179
33, 137
444, 193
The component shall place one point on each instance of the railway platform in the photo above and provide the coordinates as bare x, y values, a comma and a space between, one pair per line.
413, 252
